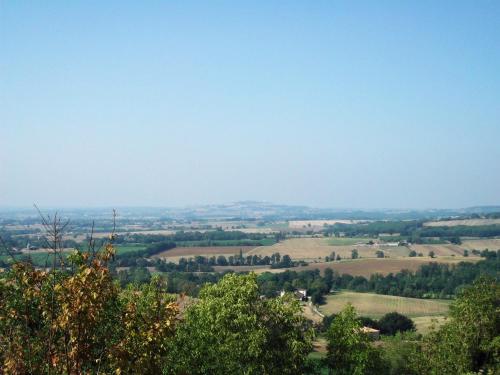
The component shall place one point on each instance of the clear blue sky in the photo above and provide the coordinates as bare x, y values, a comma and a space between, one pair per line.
325, 103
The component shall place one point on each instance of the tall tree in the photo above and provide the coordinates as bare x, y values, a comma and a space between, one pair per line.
231, 330
349, 349
470, 341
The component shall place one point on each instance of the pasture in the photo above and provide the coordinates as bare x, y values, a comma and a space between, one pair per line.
424, 324
123, 249
377, 305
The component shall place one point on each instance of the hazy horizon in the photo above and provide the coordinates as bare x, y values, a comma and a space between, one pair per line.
324, 104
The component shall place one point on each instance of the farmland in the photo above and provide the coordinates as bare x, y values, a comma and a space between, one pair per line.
123, 249
481, 244
358, 267
315, 248
368, 267
300, 224
467, 222
425, 323
376, 305
203, 250
348, 241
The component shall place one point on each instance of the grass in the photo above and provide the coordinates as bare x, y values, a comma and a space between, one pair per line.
425, 323
38, 259
210, 243
377, 305
42, 259
123, 249
203, 250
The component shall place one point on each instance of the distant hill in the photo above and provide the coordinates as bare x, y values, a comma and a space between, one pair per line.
254, 210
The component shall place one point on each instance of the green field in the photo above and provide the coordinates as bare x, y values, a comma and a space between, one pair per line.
42, 259
38, 259
348, 241
424, 324
210, 243
123, 249
377, 305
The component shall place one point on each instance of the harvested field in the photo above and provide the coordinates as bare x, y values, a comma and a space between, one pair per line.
439, 250
394, 251
377, 305
201, 250
468, 222
481, 244
311, 249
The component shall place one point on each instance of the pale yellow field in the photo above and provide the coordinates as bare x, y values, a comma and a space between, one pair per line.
316, 249
490, 244
469, 222
311, 249
377, 305
424, 324
439, 250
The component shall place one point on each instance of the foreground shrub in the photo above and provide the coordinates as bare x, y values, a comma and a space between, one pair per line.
76, 320
470, 340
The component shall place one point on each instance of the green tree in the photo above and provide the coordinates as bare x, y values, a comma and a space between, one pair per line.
395, 322
329, 279
470, 340
354, 254
221, 260
398, 352
349, 349
231, 330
